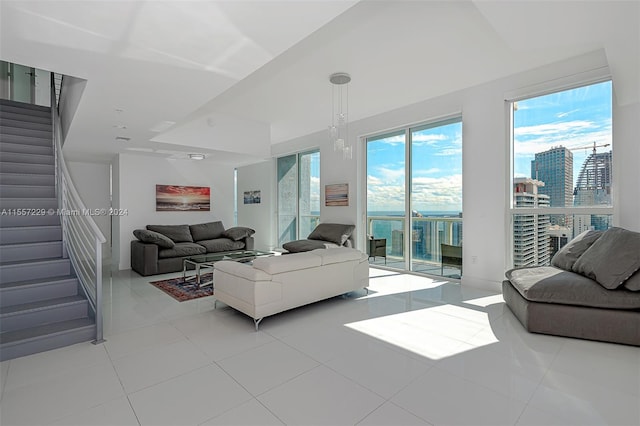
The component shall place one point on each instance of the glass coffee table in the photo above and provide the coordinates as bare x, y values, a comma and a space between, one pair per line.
206, 261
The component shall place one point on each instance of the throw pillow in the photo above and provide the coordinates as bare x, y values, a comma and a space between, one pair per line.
612, 259
567, 255
177, 233
238, 232
633, 283
206, 231
152, 237
334, 232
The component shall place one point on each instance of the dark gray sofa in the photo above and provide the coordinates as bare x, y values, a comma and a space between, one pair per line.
325, 235
591, 290
160, 249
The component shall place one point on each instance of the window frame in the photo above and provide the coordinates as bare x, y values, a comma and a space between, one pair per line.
579, 80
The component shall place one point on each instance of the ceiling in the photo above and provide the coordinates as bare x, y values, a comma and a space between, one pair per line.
238, 76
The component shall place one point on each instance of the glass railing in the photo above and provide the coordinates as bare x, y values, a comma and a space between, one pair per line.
428, 233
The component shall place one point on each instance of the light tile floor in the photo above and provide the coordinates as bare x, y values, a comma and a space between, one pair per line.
414, 351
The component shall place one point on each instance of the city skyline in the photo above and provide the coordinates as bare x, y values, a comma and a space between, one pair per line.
574, 119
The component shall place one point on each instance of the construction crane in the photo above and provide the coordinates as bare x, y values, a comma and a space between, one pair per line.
589, 146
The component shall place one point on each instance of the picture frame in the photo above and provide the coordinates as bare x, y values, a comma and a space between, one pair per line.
252, 197
178, 198
336, 195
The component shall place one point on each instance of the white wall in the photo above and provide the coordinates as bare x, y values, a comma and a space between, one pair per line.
485, 160
92, 181
260, 217
70, 97
626, 166
136, 192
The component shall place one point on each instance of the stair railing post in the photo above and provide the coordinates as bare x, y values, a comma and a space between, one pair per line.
99, 336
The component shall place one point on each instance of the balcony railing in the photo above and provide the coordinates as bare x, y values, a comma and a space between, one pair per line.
427, 235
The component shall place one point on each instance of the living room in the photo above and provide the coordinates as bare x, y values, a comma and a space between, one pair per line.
544, 61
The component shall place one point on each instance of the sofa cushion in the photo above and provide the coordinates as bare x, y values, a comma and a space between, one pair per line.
182, 249
613, 258
334, 232
177, 233
153, 237
221, 244
238, 233
299, 246
206, 231
567, 255
337, 255
633, 283
549, 284
279, 264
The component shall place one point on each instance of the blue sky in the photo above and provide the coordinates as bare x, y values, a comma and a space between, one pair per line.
573, 118
436, 165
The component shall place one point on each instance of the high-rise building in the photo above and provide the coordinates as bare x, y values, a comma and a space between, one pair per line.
531, 243
593, 187
555, 168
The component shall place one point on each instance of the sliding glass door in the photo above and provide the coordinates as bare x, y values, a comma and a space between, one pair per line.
414, 197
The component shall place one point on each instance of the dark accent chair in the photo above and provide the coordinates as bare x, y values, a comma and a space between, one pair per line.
451, 256
377, 247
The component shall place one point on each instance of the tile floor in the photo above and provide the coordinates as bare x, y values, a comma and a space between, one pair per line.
413, 352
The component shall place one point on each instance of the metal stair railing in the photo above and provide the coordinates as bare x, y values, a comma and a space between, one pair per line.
81, 238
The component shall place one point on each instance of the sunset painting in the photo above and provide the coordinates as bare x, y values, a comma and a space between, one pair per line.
182, 198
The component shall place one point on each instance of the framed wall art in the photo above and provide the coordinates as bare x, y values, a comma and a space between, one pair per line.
176, 198
252, 197
336, 195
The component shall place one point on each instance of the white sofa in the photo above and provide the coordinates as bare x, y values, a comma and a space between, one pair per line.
278, 283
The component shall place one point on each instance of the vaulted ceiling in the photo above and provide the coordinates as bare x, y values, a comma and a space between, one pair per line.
238, 76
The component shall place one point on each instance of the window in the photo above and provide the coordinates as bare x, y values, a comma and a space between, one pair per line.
414, 187
562, 170
298, 195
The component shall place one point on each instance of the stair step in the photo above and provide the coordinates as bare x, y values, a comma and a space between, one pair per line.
27, 179
27, 140
6, 147
22, 107
34, 314
31, 203
32, 270
27, 191
19, 292
21, 124
30, 234
28, 221
36, 169
22, 158
30, 251
11, 130
14, 344
25, 115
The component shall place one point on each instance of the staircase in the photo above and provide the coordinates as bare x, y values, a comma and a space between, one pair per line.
42, 306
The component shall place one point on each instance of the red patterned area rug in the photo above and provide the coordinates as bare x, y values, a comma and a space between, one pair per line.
182, 291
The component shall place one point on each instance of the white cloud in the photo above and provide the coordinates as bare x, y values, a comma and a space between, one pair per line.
428, 193
562, 127
564, 114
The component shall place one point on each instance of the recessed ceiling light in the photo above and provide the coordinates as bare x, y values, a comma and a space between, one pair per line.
196, 156
123, 138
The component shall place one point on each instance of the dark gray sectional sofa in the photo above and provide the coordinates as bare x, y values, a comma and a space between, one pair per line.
160, 249
591, 291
